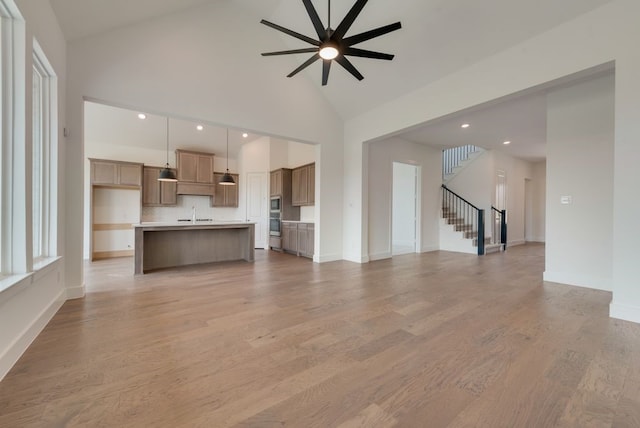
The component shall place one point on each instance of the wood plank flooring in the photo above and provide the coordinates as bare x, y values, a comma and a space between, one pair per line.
430, 340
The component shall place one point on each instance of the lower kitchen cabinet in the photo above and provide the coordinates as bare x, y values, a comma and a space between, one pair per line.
298, 238
290, 237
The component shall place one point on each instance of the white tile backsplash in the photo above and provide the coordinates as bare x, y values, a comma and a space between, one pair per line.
184, 210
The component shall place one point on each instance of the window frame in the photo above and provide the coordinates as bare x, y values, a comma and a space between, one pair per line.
48, 177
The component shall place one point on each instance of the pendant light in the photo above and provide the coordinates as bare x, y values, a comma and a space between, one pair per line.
167, 173
227, 179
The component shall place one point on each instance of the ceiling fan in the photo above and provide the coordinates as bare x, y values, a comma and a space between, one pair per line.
332, 44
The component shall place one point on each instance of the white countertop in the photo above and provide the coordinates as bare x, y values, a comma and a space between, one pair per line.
190, 224
299, 221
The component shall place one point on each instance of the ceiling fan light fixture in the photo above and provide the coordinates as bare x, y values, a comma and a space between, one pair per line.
329, 51
333, 44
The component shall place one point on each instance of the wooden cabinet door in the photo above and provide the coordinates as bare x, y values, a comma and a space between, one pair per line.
311, 228
168, 193
104, 172
232, 193
311, 190
129, 175
290, 237
187, 166
299, 186
150, 186
303, 239
157, 193
275, 185
204, 172
225, 196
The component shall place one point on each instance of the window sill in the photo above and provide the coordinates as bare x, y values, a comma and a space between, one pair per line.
13, 284
8, 281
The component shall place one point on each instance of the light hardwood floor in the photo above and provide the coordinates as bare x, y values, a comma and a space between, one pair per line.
430, 340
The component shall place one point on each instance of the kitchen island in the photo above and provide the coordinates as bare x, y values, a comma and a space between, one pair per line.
162, 245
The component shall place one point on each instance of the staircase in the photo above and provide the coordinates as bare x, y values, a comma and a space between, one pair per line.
463, 226
456, 159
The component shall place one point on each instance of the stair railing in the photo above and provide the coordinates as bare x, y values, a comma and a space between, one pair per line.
466, 213
452, 157
500, 226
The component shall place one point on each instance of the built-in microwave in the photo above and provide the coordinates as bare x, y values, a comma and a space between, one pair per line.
275, 203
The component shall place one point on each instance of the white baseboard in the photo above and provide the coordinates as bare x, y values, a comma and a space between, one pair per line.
430, 248
380, 256
75, 292
22, 342
515, 242
324, 258
604, 284
536, 239
624, 312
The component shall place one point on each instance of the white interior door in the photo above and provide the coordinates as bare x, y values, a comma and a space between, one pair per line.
257, 206
404, 209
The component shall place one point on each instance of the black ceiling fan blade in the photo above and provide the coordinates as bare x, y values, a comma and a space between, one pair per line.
290, 32
368, 35
315, 19
326, 67
367, 54
348, 20
349, 67
306, 64
293, 51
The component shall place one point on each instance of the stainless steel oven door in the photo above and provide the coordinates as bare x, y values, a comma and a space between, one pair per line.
274, 226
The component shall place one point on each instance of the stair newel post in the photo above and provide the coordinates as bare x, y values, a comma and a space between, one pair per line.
480, 232
503, 229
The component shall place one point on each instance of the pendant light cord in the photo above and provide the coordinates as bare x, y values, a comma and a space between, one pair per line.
227, 150
167, 141
329, 15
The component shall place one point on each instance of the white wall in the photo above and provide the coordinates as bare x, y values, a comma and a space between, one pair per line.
381, 156
171, 66
606, 34
517, 171
27, 306
580, 123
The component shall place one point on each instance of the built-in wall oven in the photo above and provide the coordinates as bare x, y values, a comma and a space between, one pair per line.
275, 224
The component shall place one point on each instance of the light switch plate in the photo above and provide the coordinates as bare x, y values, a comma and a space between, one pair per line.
565, 200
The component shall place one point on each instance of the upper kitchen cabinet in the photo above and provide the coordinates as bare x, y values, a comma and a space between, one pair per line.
158, 193
280, 183
115, 173
195, 173
226, 196
303, 185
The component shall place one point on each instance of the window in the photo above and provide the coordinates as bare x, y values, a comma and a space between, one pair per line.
11, 127
44, 178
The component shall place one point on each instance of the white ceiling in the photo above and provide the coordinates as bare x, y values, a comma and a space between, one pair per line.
438, 37
117, 126
522, 121
82, 18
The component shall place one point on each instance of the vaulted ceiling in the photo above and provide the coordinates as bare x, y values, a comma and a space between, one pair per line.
437, 37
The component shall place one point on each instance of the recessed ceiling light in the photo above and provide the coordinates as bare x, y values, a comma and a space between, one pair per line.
199, 127
465, 125
142, 116
245, 135
506, 142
